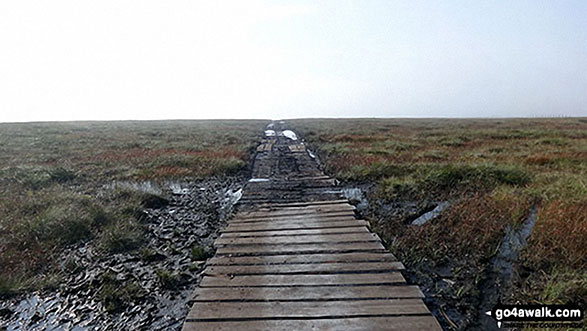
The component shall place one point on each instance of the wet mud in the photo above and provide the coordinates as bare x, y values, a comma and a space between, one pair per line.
503, 268
156, 281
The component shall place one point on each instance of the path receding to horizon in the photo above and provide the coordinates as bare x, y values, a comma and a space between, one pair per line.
295, 257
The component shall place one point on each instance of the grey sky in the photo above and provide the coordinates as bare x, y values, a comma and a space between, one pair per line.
75, 60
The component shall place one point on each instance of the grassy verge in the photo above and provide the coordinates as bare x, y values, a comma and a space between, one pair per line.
492, 171
56, 185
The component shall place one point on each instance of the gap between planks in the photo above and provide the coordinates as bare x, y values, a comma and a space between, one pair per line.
382, 256
324, 268
302, 280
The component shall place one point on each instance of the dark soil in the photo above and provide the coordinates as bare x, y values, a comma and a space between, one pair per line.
148, 288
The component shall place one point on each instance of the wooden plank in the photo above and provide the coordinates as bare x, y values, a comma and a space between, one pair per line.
307, 268
303, 258
305, 177
306, 207
315, 217
294, 225
304, 248
293, 217
286, 221
304, 239
264, 147
302, 211
393, 323
301, 232
275, 310
299, 209
260, 187
305, 203
318, 293
297, 148
302, 280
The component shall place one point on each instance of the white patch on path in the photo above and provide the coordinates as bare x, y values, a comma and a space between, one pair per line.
290, 134
257, 180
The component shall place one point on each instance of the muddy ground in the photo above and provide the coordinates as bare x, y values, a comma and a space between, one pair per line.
145, 289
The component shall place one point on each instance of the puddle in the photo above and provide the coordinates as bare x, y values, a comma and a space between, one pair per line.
178, 189
258, 180
270, 133
431, 214
151, 187
503, 267
290, 134
355, 196
231, 198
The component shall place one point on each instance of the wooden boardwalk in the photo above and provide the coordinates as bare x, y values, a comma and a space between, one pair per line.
302, 264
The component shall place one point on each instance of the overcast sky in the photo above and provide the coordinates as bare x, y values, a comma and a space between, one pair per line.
95, 60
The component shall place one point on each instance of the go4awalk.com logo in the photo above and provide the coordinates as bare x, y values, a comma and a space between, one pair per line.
537, 316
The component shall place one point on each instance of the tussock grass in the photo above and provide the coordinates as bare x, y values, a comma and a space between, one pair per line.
492, 170
200, 253
168, 279
56, 185
116, 295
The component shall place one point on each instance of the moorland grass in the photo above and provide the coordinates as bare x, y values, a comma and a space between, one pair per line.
492, 170
56, 186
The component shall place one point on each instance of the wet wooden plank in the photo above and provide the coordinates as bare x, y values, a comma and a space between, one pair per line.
303, 239
304, 268
295, 217
319, 209
297, 220
261, 187
279, 233
308, 206
304, 248
265, 226
302, 280
259, 310
297, 148
306, 203
299, 216
318, 293
393, 323
264, 147
303, 258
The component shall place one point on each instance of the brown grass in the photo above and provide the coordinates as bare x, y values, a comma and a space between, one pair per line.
492, 170
560, 236
52, 178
